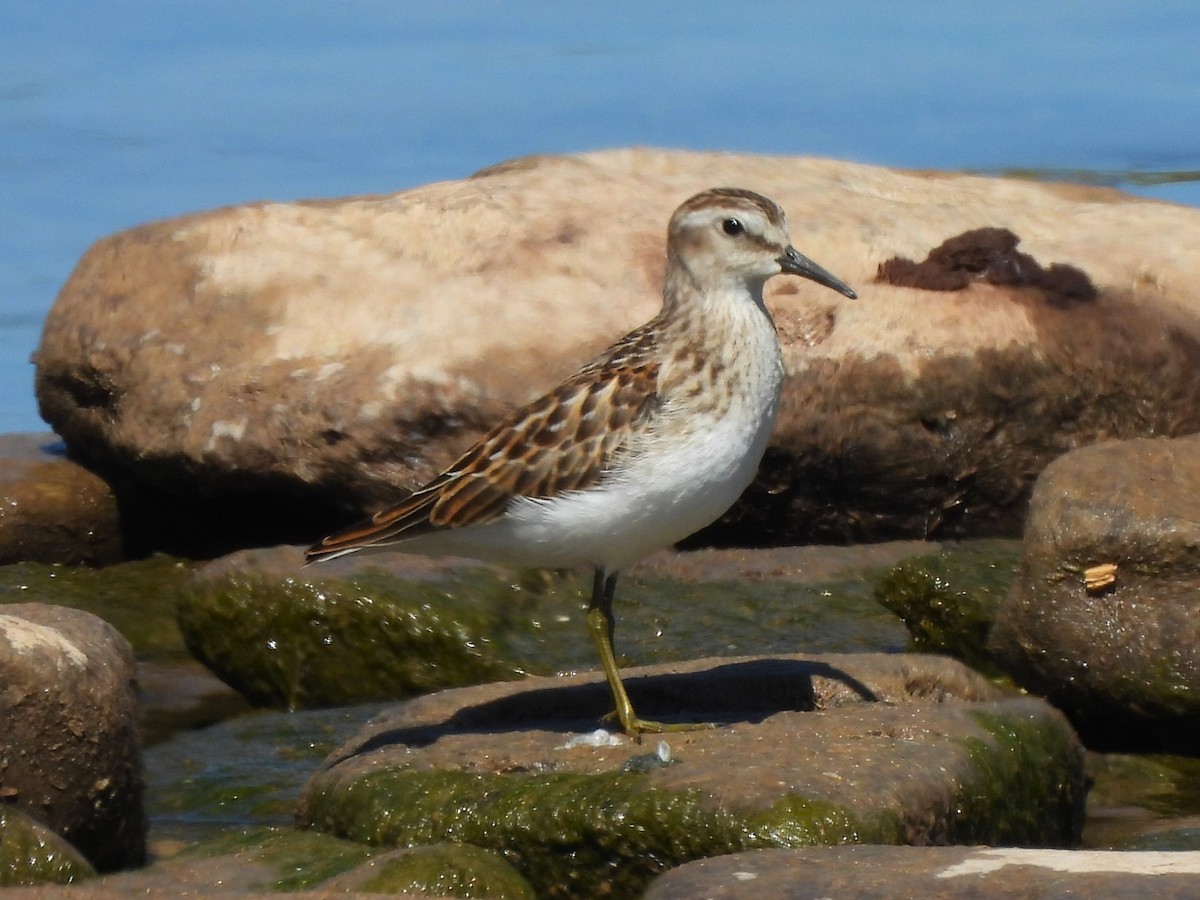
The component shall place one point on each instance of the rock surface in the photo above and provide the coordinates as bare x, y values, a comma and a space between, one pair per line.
273, 367
1103, 616
948, 600
30, 853
933, 872
833, 749
451, 870
69, 751
53, 510
390, 626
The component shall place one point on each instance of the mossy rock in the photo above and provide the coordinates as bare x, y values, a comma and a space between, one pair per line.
575, 835
301, 644
311, 640
136, 598
440, 870
293, 860
31, 854
899, 749
948, 601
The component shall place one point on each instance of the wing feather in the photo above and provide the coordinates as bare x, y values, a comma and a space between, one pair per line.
560, 442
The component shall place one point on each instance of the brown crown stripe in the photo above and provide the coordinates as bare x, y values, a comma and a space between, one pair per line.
723, 197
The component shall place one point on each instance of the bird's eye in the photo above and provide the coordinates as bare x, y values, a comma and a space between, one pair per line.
732, 227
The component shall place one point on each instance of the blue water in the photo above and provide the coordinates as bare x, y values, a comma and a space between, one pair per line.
117, 112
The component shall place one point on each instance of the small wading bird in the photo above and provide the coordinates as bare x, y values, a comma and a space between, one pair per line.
646, 444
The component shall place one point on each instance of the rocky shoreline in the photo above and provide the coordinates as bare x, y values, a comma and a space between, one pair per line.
879, 705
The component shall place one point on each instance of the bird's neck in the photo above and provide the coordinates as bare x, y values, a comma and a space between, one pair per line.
700, 304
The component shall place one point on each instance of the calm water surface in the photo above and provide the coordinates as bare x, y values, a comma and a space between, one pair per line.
119, 112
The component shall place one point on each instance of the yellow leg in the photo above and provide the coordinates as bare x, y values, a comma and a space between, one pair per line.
600, 625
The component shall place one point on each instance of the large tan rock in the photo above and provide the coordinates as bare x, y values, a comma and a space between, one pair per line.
337, 351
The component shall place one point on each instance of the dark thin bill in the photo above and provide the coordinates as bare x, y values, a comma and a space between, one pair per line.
793, 262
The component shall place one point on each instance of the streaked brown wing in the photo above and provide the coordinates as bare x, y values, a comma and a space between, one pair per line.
563, 441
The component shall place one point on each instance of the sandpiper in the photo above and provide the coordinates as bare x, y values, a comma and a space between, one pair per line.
646, 444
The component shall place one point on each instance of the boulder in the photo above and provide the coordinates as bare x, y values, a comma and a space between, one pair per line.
1102, 618
817, 749
51, 509
69, 752
259, 373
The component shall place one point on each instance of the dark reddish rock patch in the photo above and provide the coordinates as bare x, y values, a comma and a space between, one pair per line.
988, 255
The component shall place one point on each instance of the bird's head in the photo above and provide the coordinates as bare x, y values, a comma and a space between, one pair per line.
729, 234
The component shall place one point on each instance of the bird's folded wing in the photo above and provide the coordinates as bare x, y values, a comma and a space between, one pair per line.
561, 442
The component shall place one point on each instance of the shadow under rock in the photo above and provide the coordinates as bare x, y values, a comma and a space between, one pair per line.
748, 691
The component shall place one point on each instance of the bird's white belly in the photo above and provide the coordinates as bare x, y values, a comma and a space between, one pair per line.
665, 493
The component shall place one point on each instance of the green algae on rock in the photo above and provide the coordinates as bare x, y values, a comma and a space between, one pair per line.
570, 834
299, 644
441, 870
294, 860
325, 640
899, 749
136, 598
948, 601
1017, 801
31, 854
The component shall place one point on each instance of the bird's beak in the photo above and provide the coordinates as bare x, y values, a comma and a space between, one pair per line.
793, 262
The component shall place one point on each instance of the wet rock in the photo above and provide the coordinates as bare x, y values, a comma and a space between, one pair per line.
1101, 619
451, 870
300, 642
69, 752
253, 862
32, 854
831, 749
948, 600
260, 862
935, 872
392, 626
137, 598
51, 509
173, 351
1142, 802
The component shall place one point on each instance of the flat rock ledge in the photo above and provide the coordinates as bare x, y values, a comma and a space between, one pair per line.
932, 872
831, 749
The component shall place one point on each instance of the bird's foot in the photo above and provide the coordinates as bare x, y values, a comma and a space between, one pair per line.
635, 726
